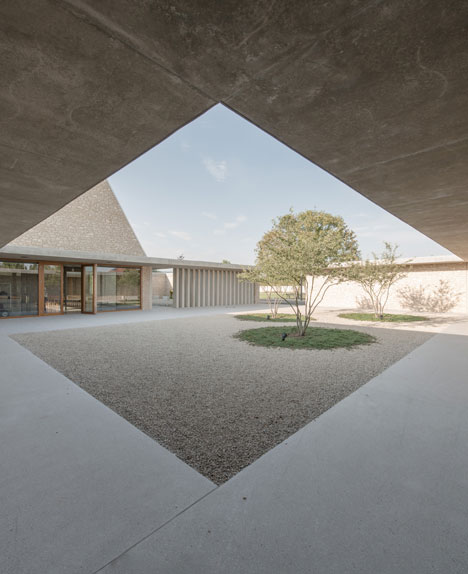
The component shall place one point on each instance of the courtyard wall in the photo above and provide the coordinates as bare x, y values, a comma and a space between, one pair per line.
422, 280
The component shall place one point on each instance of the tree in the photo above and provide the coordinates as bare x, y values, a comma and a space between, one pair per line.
376, 276
309, 249
181, 257
226, 262
274, 299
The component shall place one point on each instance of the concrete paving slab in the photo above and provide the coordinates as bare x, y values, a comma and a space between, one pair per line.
78, 483
379, 483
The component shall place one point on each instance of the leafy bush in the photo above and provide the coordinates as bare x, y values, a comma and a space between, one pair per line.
441, 299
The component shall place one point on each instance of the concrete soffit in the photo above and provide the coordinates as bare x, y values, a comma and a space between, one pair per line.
376, 94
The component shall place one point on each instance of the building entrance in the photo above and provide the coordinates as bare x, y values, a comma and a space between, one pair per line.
72, 288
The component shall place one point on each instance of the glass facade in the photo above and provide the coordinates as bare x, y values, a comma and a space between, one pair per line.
88, 288
72, 288
52, 289
47, 289
19, 288
118, 288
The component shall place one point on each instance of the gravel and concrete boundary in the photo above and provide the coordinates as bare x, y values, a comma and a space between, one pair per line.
216, 402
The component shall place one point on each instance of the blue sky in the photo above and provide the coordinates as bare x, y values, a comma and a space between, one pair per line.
211, 190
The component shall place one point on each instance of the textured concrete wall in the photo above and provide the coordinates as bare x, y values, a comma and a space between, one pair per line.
162, 284
146, 288
93, 222
422, 279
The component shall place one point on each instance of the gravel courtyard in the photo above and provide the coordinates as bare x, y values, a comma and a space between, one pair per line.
216, 402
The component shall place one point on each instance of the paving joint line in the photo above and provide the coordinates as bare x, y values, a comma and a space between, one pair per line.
155, 530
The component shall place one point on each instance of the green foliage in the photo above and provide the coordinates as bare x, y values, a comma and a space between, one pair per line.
18, 265
130, 277
377, 275
226, 262
440, 299
314, 338
386, 317
307, 250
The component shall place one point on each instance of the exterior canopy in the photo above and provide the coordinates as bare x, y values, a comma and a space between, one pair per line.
374, 93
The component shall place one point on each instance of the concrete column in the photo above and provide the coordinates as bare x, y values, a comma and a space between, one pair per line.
175, 288
230, 288
146, 279
194, 288
205, 289
226, 287
221, 287
182, 287
223, 283
199, 272
188, 290
213, 288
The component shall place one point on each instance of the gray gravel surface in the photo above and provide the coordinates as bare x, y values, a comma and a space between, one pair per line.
216, 402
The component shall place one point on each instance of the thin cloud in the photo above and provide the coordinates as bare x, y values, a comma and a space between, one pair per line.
217, 169
181, 235
212, 216
230, 225
159, 234
233, 224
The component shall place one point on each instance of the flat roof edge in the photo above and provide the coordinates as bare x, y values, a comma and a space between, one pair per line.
46, 254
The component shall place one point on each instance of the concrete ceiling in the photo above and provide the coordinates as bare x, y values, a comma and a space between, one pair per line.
374, 92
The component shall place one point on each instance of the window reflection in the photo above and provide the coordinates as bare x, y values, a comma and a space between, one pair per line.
19, 285
118, 288
52, 289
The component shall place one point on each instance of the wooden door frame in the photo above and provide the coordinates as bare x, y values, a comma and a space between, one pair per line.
41, 288
94, 311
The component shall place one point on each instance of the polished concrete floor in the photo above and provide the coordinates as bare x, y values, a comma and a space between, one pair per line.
379, 483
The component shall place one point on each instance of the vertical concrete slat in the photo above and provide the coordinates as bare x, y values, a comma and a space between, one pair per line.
222, 288
205, 288
182, 287
194, 288
175, 287
199, 287
187, 288
223, 302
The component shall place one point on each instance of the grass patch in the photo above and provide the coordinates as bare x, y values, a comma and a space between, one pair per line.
387, 318
315, 338
280, 318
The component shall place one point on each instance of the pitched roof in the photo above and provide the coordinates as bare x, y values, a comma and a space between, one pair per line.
93, 222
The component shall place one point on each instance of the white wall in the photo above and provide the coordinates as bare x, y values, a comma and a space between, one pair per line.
428, 276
